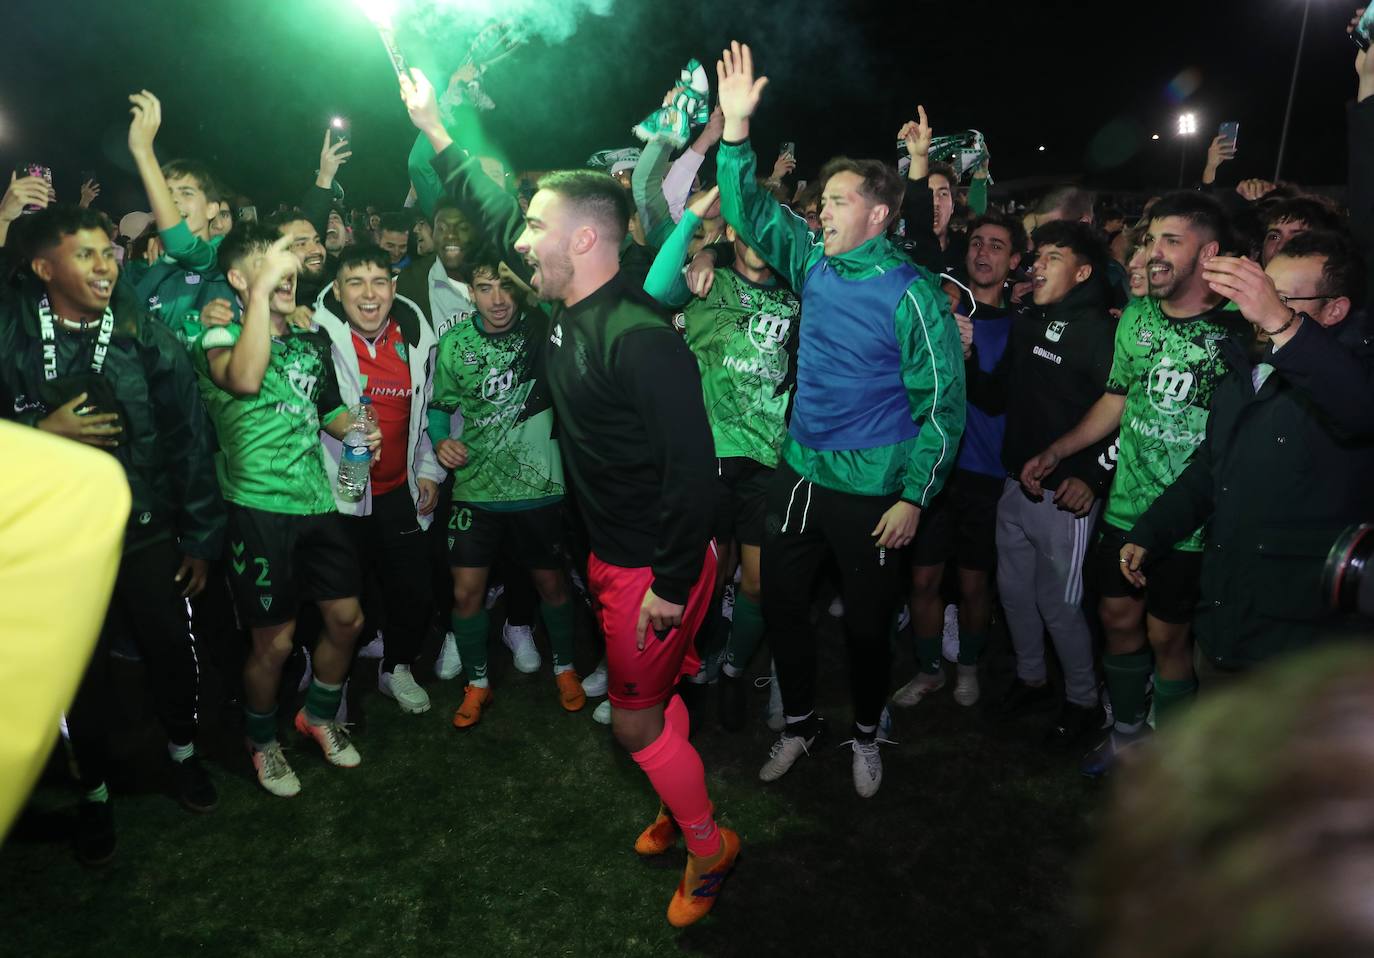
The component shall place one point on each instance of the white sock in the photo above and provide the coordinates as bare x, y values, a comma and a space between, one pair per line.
480, 683
731, 671
560, 669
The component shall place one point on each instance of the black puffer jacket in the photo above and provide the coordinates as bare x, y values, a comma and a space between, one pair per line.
167, 446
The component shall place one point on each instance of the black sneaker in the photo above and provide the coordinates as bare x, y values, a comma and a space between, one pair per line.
94, 839
734, 701
1022, 699
194, 789
1073, 724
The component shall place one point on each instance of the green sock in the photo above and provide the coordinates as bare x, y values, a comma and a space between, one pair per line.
971, 646
928, 654
559, 621
471, 636
1171, 695
101, 793
322, 701
746, 635
1127, 677
262, 729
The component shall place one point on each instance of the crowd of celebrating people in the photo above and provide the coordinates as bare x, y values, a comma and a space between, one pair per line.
698, 400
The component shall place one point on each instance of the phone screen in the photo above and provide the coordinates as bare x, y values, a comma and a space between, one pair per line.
1229, 131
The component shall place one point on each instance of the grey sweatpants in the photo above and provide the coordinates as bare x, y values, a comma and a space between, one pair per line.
1040, 553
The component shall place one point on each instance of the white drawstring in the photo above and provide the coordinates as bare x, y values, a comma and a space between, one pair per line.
787, 516
809, 487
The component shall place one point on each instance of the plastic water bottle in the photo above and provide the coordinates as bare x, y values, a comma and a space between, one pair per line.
355, 462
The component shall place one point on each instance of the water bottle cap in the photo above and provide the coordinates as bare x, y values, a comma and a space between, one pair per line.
365, 400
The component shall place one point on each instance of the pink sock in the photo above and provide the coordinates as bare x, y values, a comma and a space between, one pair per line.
675, 771
676, 718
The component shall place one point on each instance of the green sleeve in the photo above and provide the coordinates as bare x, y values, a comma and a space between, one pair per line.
665, 281
780, 236
647, 186
189, 250
492, 211
978, 196
438, 426
428, 189
933, 372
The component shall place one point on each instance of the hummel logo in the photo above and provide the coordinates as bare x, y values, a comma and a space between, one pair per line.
631, 688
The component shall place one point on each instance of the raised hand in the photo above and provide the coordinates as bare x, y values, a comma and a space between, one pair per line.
782, 166
1254, 190
965, 333
1221, 150
146, 111
29, 191
277, 264
1244, 283
332, 156
217, 312
1364, 63
702, 202
417, 93
917, 134
89, 191
737, 90
711, 133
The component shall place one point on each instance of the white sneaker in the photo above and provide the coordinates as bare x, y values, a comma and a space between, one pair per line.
594, 685
918, 688
494, 593
449, 663
333, 740
784, 754
966, 685
603, 713
273, 772
373, 649
837, 608
520, 640
868, 767
949, 639
400, 685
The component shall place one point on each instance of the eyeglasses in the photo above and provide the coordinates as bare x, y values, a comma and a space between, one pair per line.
1301, 299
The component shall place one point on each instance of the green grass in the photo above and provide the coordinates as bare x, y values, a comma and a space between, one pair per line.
516, 838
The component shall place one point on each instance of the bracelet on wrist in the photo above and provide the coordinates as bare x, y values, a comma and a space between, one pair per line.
1292, 318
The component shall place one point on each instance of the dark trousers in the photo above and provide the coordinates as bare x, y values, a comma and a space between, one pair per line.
804, 524
147, 606
394, 554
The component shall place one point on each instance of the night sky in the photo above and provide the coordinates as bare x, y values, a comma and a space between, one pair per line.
249, 85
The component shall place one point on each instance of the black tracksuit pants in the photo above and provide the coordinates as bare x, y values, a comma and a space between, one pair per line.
394, 554
804, 524
146, 604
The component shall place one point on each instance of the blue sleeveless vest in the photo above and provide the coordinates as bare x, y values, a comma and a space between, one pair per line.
850, 393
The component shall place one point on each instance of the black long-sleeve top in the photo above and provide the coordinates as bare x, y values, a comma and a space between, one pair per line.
633, 431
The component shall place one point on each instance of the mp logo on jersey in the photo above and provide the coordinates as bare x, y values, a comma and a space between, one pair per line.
1170, 387
767, 332
496, 388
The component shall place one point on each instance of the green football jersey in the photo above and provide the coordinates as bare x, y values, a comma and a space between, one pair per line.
1168, 370
744, 337
507, 411
270, 456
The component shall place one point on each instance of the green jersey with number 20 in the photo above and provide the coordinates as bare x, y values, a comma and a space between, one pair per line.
1168, 370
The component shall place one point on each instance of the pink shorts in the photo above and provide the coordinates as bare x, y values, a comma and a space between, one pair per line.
641, 679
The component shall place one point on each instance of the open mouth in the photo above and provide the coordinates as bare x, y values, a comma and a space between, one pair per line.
370, 310
101, 287
1160, 271
314, 262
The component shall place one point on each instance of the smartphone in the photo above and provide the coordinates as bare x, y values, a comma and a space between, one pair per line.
1363, 28
789, 149
1229, 131
34, 169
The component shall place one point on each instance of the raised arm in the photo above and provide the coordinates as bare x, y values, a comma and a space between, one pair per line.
238, 367
189, 250
780, 236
